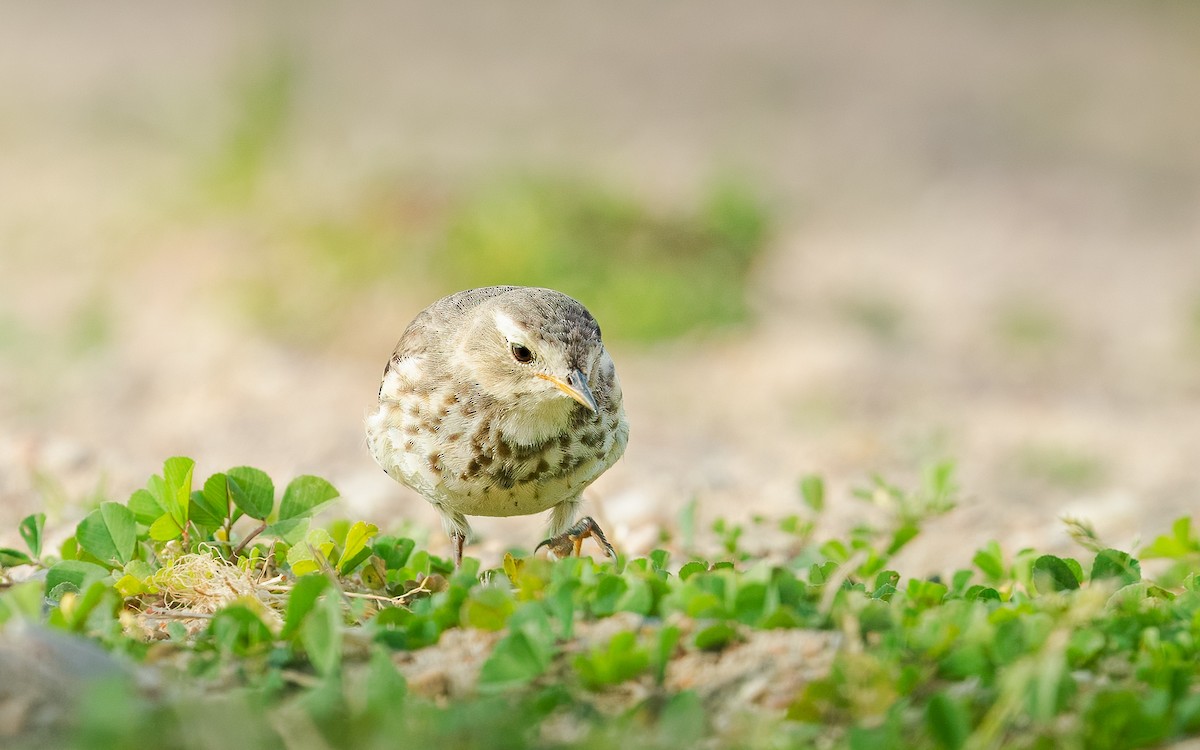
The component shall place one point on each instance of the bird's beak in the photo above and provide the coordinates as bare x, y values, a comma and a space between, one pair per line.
575, 386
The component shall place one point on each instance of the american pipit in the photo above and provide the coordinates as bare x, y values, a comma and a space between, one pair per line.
501, 401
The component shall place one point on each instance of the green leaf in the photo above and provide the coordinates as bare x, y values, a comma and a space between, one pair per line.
109, 534
690, 569
31, 531
716, 637
903, 535
658, 559
96, 604
925, 594
69, 549
130, 585
1133, 596
148, 505
812, 492
211, 506
1122, 717
1181, 542
22, 600
516, 660
1052, 573
981, 593
948, 721
664, 649
301, 601
621, 659
886, 578
251, 490
684, 722
321, 635
1084, 646
374, 574
165, 529
291, 531
522, 655
399, 628
488, 608
239, 630
990, 561
1111, 563
303, 557
561, 603
386, 686
139, 568
608, 591
355, 550
303, 495
10, 557
73, 575
177, 476
796, 526
638, 598
394, 551
1076, 568
750, 602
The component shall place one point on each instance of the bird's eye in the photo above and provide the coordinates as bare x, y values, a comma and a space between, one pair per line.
522, 353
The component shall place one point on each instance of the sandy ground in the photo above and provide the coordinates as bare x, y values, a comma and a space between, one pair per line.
987, 248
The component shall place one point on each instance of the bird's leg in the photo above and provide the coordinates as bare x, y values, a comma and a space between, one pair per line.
456, 527
457, 539
570, 541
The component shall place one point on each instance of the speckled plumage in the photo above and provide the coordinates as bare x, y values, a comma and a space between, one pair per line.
478, 432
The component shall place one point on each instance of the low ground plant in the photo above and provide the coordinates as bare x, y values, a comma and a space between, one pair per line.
230, 619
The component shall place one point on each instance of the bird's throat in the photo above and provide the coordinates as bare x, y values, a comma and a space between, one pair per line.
535, 424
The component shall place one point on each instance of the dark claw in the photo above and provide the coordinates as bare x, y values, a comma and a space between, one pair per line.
570, 541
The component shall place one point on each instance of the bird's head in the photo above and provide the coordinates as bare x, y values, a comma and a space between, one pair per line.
536, 348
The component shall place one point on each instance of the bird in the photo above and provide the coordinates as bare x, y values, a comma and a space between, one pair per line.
502, 401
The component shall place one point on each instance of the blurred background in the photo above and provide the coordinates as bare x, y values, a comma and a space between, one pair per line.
821, 238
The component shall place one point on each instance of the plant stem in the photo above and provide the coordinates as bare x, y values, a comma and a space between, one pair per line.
258, 530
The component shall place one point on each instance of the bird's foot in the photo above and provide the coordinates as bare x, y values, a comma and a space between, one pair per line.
569, 542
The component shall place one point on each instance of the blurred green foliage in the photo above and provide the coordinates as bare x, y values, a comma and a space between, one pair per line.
91, 326
314, 264
12, 333
261, 97
876, 313
647, 273
1062, 466
1030, 326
